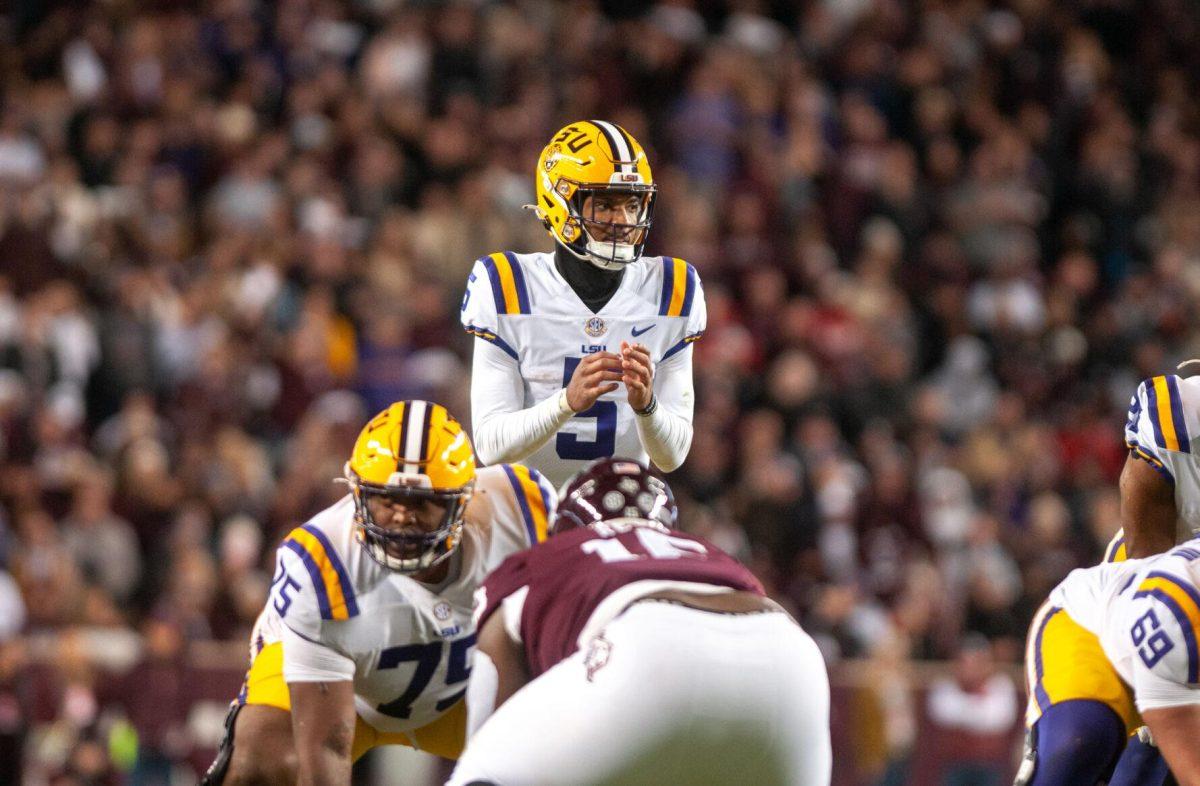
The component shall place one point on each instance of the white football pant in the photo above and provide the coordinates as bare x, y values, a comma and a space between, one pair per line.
675, 696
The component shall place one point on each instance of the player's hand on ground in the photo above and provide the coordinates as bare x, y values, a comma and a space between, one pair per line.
637, 373
597, 374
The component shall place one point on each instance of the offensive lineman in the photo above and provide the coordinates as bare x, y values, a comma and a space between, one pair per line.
1085, 715
366, 637
558, 333
641, 654
1146, 615
1160, 484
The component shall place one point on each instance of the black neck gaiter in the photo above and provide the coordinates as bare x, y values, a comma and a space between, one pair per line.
594, 286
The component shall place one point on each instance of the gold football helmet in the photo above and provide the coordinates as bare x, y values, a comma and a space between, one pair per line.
591, 172
413, 453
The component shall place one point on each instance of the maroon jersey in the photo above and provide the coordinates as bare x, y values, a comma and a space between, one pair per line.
570, 575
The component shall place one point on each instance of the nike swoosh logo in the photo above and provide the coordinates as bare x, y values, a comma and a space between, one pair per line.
637, 332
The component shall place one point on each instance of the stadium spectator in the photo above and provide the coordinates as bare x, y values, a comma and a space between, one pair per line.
973, 713
941, 245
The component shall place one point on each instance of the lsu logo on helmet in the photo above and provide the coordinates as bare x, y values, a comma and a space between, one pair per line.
417, 454
588, 168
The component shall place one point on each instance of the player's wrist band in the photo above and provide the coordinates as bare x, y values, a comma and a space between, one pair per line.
564, 405
649, 410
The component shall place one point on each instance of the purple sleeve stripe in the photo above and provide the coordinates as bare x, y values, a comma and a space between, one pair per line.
314, 572
339, 568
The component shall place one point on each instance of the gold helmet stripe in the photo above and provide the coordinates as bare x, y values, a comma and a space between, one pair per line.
622, 155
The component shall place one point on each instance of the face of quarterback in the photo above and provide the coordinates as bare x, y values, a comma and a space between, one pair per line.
406, 516
606, 213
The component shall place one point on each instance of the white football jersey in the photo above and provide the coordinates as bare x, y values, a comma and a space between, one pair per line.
1164, 418
1146, 614
410, 645
522, 304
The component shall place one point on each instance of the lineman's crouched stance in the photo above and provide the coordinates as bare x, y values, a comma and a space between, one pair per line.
367, 635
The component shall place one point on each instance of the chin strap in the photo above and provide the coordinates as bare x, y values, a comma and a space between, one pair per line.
610, 264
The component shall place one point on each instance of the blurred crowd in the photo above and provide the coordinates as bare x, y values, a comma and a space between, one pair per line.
941, 243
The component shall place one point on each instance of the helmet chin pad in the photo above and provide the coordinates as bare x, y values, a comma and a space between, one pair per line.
433, 548
607, 255
604, 254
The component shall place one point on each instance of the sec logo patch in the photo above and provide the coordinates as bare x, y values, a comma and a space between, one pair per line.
595, 327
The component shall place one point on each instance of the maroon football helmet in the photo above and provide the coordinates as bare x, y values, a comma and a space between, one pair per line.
614, 488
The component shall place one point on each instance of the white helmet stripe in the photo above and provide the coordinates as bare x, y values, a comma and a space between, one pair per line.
416, 414
616, 140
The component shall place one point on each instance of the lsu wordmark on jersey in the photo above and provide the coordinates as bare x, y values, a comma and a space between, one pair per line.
522, 304
339, 583
1163, 423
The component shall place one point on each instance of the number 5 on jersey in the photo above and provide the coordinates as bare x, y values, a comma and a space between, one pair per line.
570, 446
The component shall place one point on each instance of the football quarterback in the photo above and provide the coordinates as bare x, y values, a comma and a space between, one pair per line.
559, 334
655, 653
366, 637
